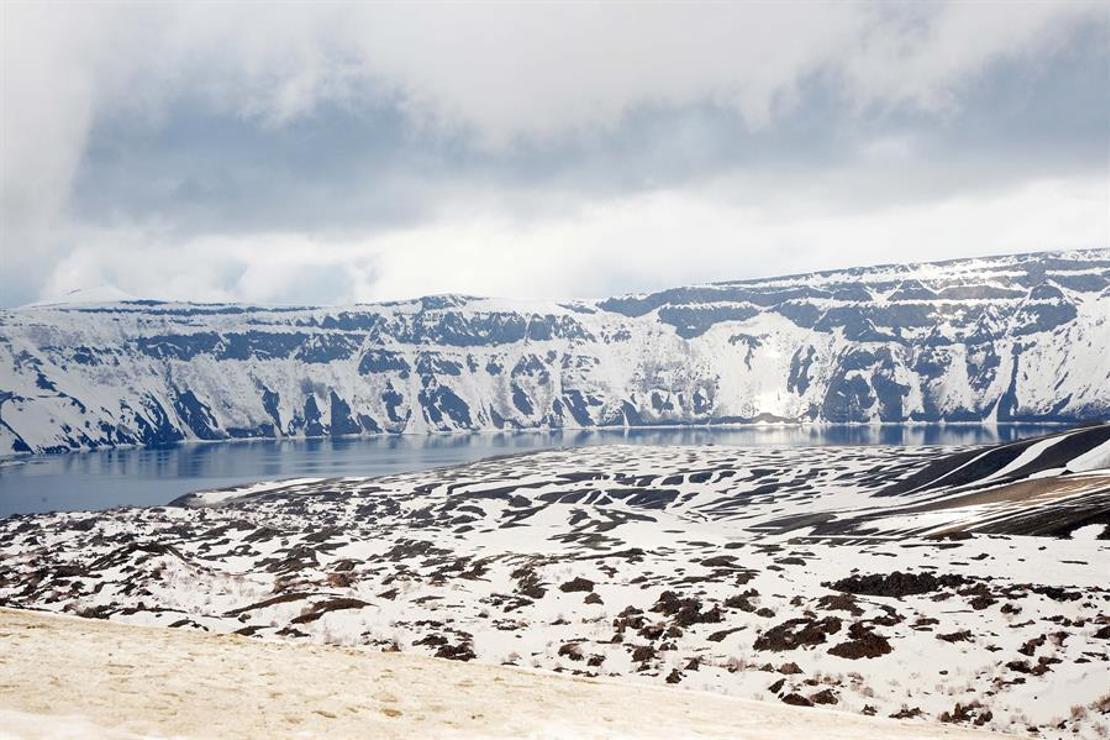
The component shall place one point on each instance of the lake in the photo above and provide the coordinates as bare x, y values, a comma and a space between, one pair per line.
151, 477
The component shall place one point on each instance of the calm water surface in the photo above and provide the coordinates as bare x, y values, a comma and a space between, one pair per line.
99, 480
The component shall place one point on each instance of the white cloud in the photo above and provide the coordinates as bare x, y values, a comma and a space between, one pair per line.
501, 73
542, 69
928, 62
651, 241
665, 239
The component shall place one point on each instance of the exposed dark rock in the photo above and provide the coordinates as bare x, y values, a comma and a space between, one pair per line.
572, 650
321, 608
576, 585
456, 652
742, 601
686, 612
960, 636
973, 712
864, 644
895, 584
796, 633
906, 713
840, 602
529, 583
1029, 647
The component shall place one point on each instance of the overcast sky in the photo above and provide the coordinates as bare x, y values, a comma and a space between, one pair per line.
339, 153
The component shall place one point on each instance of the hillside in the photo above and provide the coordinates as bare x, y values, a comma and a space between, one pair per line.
960, 585
79, 678
996, 339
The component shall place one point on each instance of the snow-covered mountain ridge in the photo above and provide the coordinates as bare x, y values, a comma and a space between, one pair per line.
1018, 337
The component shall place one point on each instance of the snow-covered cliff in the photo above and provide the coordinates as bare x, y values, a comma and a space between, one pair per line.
1020, 337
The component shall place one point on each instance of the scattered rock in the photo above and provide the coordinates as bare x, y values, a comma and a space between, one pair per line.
461, 652
1029, 647
742, 601
685, 611
321, 608
719, 561
973, 712
840, 602
795, 633
796, 700
961, 636
577, 585
572, 650
906, 713
722, 634
865, 643
896, 584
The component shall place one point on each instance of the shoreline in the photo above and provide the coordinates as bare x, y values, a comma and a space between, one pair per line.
709, 427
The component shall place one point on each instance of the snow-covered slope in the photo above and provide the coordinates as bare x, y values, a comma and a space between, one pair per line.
896, 582
1006, 338
79, 678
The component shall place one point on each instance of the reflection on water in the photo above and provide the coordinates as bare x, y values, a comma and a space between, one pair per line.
99, 480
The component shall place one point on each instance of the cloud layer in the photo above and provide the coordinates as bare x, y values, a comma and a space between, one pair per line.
301, 153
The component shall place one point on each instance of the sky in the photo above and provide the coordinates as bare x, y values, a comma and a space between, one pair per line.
338, 153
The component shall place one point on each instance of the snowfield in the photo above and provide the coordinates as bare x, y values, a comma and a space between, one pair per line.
69, 678
961, 586
1017, 338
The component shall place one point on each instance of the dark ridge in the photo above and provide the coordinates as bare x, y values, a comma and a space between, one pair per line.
987, 463
1067, 449
964, 468
931, 472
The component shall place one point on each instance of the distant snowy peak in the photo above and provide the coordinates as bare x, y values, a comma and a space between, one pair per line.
1018, 337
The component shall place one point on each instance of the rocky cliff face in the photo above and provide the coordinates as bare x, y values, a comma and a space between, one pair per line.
1008, 338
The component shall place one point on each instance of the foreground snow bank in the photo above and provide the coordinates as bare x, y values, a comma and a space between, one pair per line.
61, 676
